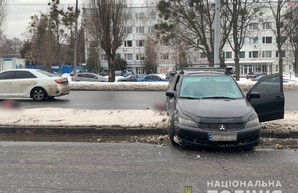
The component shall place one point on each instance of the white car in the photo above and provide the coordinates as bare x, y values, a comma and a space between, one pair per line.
32, 83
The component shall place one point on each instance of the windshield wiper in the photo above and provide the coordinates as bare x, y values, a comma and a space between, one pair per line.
218, 97
189, 98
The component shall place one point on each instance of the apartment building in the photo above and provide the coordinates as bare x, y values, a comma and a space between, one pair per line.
259, 52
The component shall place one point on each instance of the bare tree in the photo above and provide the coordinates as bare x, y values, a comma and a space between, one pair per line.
150, 60
283, 20
43, 44
108, 19
193, 23
2, 15
239, 13
294, 36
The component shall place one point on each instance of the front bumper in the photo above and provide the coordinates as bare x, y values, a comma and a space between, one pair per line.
197, 136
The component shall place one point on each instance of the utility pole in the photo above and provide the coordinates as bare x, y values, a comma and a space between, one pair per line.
76, 40
217, 33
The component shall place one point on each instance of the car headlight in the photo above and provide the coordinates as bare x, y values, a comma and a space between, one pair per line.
187, 122
252, 121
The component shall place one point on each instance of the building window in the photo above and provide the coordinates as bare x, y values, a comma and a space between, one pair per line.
128, 57
282, 39
140, 43
253, 40
203, 55
228, 54
253, 26
129, 16
152, 15
150, 29
267, 25
241, 54
164, 56
140, 29
140, 56
128, 43
140, 15
267, 54
267, 40
103, 57
253, 54
128, 29
282, 52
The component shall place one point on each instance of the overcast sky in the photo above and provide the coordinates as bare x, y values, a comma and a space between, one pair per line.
20, 11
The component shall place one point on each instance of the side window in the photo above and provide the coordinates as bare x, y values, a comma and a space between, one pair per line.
91, 76
6, 75
155, 78
23, 75
270, 85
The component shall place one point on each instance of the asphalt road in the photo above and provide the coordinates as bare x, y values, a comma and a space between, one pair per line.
131, 168
122, 100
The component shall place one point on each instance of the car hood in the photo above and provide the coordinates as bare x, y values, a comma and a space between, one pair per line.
216, 108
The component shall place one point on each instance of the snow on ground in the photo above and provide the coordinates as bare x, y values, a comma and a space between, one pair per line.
124, 118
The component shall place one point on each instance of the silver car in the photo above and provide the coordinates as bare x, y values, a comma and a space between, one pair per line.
32, 83
88, 77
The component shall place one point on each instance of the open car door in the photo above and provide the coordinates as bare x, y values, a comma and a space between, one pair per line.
267, 98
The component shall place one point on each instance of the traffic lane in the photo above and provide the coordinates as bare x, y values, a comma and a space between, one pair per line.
102, 100
135, 167
122, 100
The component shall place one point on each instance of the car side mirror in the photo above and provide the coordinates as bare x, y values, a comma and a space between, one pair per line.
170, 94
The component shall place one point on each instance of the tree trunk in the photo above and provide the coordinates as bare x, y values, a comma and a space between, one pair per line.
280, 60
296, 63
111, 69
237, 65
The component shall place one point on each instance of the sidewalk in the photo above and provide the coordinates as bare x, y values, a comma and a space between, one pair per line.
51, 121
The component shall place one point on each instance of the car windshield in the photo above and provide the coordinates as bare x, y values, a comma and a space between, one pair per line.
209, 87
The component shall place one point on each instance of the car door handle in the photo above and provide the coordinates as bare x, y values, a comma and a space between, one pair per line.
279, 97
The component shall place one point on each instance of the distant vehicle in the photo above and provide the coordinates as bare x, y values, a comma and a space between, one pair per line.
170, 74
285, 80
209, 109
119, 73
251, 75
77, 72
32, 83
88, 77
131, 78
152, 78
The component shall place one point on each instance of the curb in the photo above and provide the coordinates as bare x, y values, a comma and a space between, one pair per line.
58, 130
113, 131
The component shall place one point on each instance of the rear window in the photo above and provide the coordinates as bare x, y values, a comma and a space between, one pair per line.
47, 73
209, 86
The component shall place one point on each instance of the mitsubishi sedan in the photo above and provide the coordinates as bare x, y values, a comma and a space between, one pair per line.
208, 108
32, 83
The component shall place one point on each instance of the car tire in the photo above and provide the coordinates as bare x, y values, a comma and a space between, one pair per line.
38, 94
172, 134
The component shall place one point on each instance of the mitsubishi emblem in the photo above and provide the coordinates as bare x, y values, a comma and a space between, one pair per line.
222, 128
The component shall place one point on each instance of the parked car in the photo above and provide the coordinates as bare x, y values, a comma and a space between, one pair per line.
209, 109
32, 83
251, 75
130, 78
88, 77
152, 78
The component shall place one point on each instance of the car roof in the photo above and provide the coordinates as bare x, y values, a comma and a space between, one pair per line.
21, 69
202, 71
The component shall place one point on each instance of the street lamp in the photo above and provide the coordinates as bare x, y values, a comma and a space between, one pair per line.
76, 40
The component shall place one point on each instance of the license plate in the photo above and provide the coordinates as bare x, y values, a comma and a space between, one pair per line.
212, 137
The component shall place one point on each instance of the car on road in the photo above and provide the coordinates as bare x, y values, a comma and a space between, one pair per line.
253, 75
208, 108
130, 78
152, 78
88, 77
32, 83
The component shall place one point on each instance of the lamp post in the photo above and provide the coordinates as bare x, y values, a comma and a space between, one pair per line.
76, 40
217, 33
